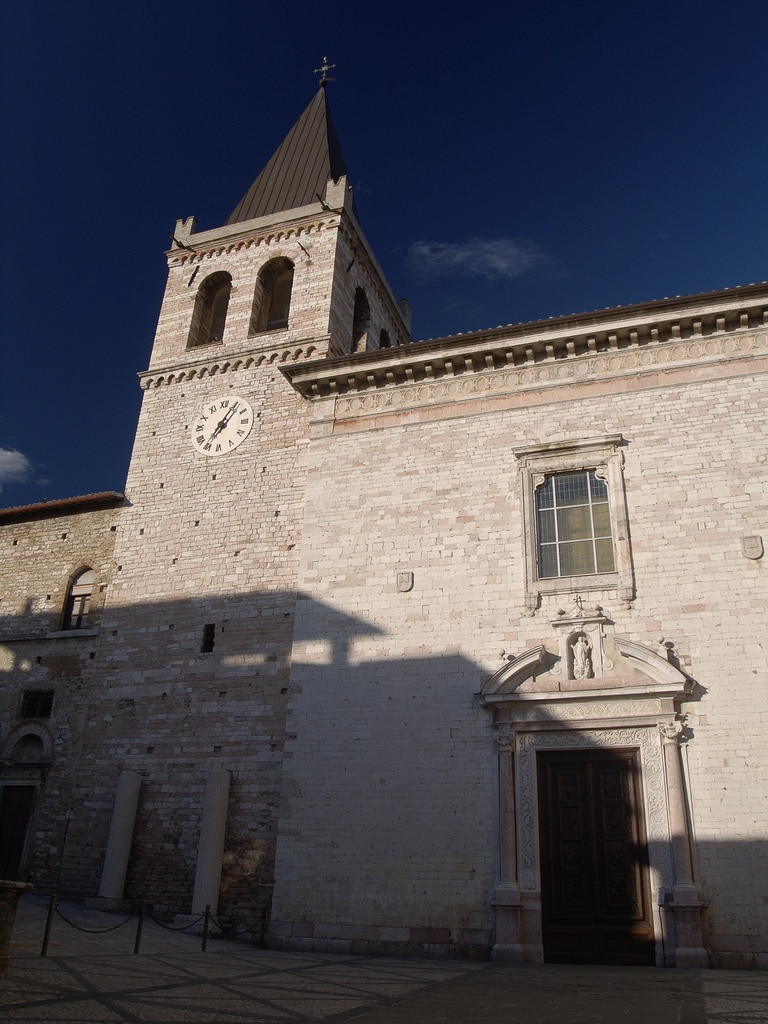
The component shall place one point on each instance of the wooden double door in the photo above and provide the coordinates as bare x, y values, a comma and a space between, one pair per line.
594, 858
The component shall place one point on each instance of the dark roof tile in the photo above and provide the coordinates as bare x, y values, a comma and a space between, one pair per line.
298, 172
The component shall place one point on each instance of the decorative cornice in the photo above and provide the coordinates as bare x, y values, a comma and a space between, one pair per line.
190, 246
215, 361
180, 256
515, 672
663, 679
473, 383
651, 663
637, 339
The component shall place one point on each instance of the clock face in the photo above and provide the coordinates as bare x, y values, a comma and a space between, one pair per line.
223, 424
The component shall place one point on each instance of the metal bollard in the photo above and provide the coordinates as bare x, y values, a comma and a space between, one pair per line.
205, 926
48, 925
139, 928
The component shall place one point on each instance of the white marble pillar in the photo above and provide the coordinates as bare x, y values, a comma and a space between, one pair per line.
687, 904
506, 896
120, 836
210, 850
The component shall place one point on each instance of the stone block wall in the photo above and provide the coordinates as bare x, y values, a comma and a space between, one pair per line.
433, 490
199, 628
42, 550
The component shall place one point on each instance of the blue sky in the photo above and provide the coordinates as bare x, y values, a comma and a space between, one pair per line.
510, 162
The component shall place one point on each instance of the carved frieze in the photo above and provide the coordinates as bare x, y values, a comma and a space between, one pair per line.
614, 709
462, 379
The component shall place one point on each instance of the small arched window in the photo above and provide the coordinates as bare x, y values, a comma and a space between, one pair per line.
272, 300
384, 341
78, 602
210, 313
361, 321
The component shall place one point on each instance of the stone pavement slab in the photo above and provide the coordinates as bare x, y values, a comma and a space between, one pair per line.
95, 978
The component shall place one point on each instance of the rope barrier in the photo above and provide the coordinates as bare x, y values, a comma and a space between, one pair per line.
207, 917
225, 929
173, 928
93, 931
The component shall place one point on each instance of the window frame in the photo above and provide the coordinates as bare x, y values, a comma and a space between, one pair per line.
211, 306
271, 274
563, 525
77, 604
604, 455
40, 701
361, 321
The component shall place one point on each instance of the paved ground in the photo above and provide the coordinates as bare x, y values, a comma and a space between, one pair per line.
95, 978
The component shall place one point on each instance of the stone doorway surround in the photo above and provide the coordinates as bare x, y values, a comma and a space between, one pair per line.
588, 687
26, 755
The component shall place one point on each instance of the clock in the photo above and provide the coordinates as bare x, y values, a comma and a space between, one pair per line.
223, 424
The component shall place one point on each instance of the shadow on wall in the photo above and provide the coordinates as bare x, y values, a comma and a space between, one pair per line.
367, 789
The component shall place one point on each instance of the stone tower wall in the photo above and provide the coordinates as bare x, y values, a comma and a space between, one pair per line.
243, 256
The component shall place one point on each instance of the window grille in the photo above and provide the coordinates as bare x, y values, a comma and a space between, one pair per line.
36, 704
573, 523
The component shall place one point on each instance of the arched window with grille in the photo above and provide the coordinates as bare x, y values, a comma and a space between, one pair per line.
78, 601
361, 321
210, 313
272, 299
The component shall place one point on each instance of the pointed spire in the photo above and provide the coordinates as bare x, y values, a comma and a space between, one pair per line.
298, 172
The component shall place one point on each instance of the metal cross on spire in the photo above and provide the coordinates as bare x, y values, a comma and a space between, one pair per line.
323, 72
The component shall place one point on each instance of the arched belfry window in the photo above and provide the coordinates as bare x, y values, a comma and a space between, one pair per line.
210, 312
384, 341
361, 321
272, 300
78, 601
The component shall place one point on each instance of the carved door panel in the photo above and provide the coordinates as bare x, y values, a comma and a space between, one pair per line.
15, 808
594, 859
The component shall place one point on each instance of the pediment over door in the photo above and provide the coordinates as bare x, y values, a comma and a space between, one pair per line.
583, 659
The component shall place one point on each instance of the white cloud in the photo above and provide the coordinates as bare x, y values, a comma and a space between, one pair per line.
492, 258
14, 467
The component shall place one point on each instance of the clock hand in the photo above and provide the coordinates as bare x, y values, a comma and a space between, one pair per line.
224, 421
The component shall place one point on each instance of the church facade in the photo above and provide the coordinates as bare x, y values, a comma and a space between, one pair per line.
449, 648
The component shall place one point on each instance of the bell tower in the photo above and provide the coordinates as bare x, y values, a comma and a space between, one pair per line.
290, 268
198, 624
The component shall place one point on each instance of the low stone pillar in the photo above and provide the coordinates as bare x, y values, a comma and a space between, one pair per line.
9, 900
120, 837
506, 900
210, 850
687, 904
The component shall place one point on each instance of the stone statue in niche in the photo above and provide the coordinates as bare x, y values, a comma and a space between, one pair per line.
580, 639
581, 657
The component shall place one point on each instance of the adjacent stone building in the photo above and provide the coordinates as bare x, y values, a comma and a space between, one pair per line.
452, 648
